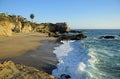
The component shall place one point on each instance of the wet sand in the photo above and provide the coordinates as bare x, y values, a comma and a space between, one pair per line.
34, 50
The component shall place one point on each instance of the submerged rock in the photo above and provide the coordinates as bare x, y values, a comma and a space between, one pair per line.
9, 70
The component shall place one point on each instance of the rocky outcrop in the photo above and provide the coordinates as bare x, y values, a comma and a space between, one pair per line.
62, 27
52, 28
72, 37
45, 28
76, 31
9, 70
107, 37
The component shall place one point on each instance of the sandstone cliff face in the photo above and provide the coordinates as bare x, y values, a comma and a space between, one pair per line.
26, 28
40, 28
18, 27
9, 70
6, 28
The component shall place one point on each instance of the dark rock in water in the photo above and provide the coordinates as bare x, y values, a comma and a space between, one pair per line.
65, 76
80, 36
72, 37
76, 31
107, 37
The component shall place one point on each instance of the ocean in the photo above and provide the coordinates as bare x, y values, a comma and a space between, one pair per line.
91, 58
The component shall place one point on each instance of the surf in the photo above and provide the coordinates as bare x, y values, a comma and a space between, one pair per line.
72, 57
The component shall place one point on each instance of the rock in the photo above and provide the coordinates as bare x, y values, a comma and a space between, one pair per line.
72, 37
107, 37
80, 36
65, 76
50, 28
62, 27
76, 31
53, 28
9, 70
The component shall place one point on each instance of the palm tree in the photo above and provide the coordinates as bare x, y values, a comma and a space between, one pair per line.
32, 16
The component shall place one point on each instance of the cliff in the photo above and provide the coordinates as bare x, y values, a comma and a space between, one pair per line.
50, 27
5, 26
26, 27
9, 70
15, 24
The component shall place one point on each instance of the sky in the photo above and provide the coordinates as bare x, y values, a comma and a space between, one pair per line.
79, 14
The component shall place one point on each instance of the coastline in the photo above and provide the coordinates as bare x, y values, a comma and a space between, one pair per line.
39, 55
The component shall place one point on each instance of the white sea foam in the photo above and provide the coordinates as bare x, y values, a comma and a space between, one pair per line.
81, 66
72, 60
93, 58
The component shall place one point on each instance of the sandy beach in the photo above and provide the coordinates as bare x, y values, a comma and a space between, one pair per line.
31, 49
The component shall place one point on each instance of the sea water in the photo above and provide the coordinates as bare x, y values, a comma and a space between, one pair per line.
91, 58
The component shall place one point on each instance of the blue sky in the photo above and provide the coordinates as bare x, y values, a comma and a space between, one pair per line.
81, 14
